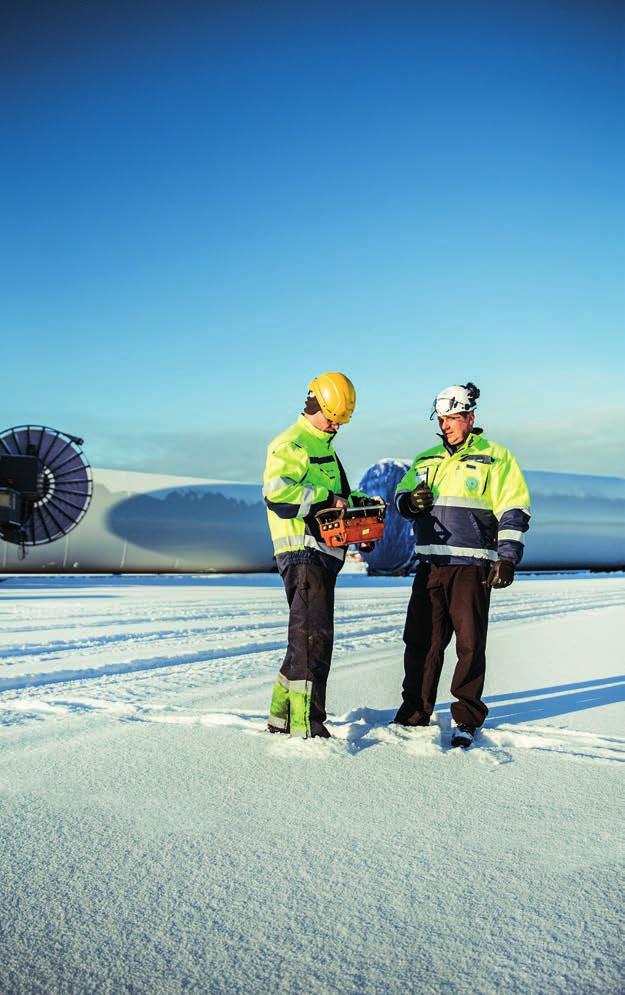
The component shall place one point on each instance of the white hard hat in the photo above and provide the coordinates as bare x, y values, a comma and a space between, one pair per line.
455, 400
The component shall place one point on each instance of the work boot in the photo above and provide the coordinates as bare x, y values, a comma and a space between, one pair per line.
321, 732
463, 736
270, 728
410, 721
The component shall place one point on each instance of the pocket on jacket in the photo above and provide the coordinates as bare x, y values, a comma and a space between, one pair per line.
475, 478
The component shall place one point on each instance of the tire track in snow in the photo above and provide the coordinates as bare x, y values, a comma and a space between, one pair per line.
221, 649
365, 727
358, 730
575, 745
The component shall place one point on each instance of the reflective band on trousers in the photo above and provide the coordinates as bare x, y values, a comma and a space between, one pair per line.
277, 722
476, 554
298, 542
276, 484
513, 534
298, 687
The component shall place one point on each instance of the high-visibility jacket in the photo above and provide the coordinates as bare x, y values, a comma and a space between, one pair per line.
481, 503
302, 474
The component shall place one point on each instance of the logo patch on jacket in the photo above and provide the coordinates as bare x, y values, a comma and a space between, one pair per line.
472, 483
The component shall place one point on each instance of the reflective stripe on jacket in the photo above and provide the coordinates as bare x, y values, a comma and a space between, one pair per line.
481, 503
301, 476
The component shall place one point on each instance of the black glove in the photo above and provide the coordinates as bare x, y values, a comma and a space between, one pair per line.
501, 574
421, 499
366, 547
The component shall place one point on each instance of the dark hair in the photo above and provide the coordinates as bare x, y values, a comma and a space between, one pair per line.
312, 406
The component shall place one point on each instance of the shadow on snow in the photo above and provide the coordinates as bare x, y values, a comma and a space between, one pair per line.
519, 707
548, 702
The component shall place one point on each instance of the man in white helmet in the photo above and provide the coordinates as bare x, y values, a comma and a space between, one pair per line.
469, 504
303, 475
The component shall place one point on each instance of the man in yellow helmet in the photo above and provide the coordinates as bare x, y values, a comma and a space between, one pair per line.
303, 475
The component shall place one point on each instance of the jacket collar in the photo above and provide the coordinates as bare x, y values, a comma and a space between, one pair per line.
303, 422
453, 451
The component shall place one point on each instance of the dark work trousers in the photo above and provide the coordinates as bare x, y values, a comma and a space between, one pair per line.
310, 593
446, 599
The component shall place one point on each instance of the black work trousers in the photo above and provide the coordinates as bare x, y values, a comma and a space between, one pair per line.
310, 593
444, 600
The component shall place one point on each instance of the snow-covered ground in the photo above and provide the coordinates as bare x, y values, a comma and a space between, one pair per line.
154, 838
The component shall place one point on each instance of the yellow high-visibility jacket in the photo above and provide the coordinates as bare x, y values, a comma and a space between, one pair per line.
481, 503
302, 474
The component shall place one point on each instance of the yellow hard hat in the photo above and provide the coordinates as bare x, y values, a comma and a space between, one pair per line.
336, 395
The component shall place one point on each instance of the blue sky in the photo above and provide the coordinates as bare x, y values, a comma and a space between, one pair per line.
207, 205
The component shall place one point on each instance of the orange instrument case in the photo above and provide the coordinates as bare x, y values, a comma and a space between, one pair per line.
343, 526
